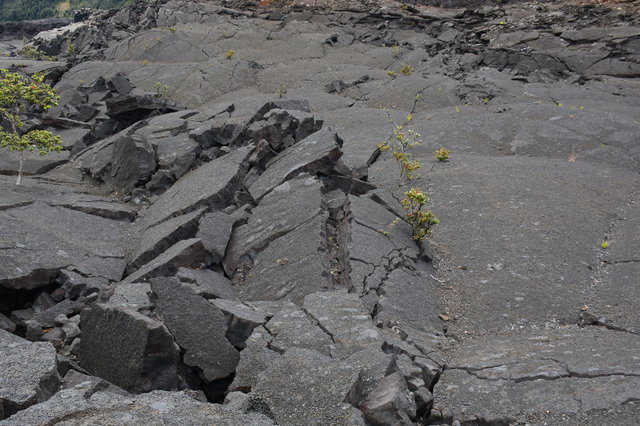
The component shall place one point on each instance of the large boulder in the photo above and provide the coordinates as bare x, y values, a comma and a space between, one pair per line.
128, 349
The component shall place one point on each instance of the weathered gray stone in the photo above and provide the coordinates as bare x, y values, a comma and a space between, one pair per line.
409, 298
389, 403
133, 162
255, 358
214, 231
342, 315
80, 405
187, 253
150, 243
198, 326
281, 271
305, 387
291, 327
177, 154
39, 240
128, 349
74, 378
269, 222
212, 184
28, 373
134, 296
537, 371
241, 319
6, 324
206, 283
316, 153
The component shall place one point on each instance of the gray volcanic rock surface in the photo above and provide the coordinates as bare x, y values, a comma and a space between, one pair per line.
222, 239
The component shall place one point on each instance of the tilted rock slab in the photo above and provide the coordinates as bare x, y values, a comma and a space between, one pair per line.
28, 373
198, 326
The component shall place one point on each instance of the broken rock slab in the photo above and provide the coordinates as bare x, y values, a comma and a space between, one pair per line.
206, 283
242, 319
198, 326
150, 243
306, 387
128, 349
518, 375
269, 221
317, 153
345, 319
81, 405
282, 271
40, 239
212, 185
28, 373
186, 253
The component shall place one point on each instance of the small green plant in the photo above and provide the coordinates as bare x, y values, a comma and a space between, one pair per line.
282, 90
230, 54
71, 48
604, 244
406, 69
421, 220
391, 73
415, 200
18, 93
162, 91
403, 141
442, 154
30, 52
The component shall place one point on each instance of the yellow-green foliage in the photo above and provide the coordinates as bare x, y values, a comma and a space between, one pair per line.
30, 52
442, 154
400, 145
407, 69
402, 142
162, 91
421, 220
230, 54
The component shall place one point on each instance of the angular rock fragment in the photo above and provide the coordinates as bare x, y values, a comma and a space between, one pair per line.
256, 357
128, 349
187, 253
389, 403
291, 327
177, 154
315, 154
213, 185
150, 243
74, 378
343, 316
306, 387
214, 231
242, 319
134, 296
282, 270
198, 326
28, 373
133, 162
206, 283
79, 405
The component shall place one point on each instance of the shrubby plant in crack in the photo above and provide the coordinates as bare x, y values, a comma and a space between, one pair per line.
415, 201
18, 93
